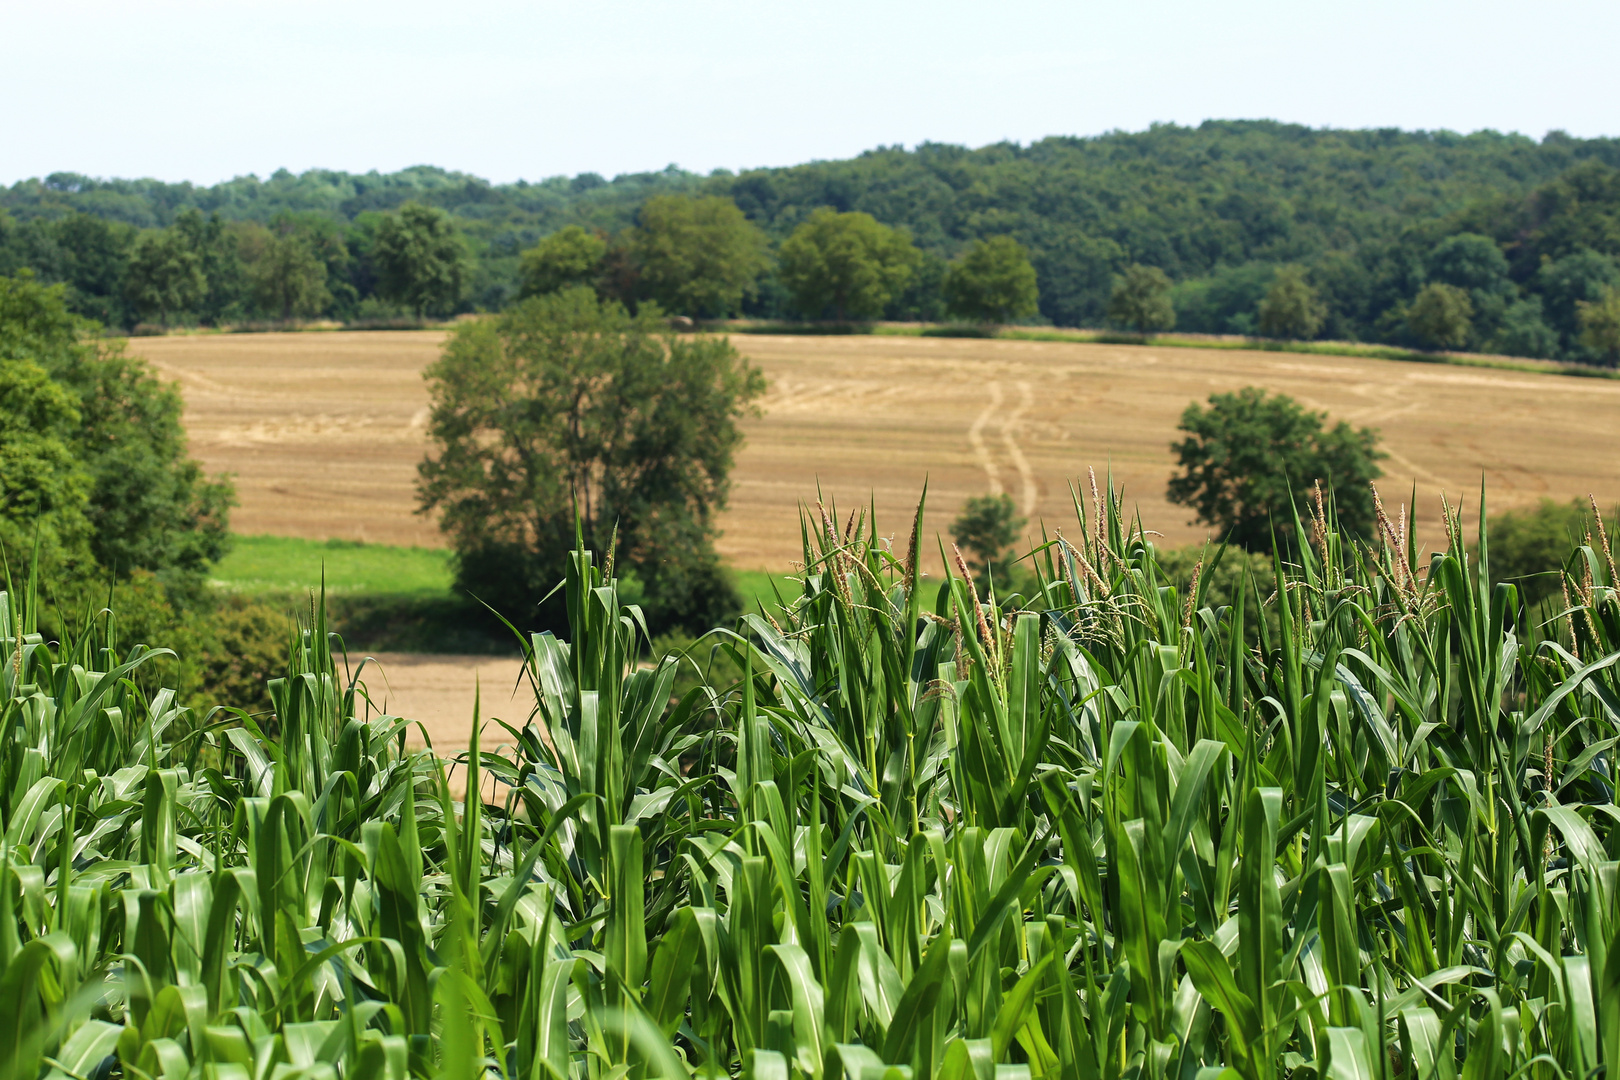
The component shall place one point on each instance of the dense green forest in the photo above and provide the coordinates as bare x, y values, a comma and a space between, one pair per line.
1484, 241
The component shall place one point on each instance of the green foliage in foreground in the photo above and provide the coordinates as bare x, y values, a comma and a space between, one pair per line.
99, 462
922, 836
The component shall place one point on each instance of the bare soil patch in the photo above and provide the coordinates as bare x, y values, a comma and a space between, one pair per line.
442, 692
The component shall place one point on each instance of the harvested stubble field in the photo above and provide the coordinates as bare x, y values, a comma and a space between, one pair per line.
323, 430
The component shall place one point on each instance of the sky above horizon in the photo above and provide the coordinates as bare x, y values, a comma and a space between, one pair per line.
190, 90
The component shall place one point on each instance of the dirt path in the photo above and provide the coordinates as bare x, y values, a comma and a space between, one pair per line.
440, 692
1008, 423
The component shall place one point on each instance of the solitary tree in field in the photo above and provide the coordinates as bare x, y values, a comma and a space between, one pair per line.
1141, 300
1441, 316
420, 259
566, 408
1248, 453
1290, 308
993, 282
697, 256
289, 280
985, 531
568, 257
849, 265
165, 275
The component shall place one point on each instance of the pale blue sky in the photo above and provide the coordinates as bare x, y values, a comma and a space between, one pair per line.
186, 90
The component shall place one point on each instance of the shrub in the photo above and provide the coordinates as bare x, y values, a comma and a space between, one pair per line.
985, 531
1531, 546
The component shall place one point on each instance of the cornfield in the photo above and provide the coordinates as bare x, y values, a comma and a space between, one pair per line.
1360, 823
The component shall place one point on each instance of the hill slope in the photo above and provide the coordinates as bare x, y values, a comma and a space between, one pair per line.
1218, 207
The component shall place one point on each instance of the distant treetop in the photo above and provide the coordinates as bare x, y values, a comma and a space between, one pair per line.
1358, 222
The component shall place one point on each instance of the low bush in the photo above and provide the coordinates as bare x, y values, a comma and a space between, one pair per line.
1531, 546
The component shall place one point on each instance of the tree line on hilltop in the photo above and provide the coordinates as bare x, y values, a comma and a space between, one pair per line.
1428, 239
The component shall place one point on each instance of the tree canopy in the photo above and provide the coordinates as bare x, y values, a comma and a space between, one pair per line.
288, 278
1290, 308
1441, 316
568, 257
147, 505
985, 532
165, 275
1530, 545
992, 282
420, 259
1141, 300
1600, 324
1250, 460
1527, 229
697, 256
572, 411
845, 265
43, 488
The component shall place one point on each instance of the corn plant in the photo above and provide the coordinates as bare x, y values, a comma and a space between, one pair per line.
1360, 822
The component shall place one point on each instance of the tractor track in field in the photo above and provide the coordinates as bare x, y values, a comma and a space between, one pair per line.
1008, 423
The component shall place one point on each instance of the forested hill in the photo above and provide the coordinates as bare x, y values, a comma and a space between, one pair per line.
1218, 208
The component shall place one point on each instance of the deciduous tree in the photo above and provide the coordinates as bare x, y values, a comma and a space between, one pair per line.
43, 487
289, 280
571, 409
1250, 459
1141, 300
985, 531
846, 265
1524, 332
568, 257
697, 256
95, 258
1441, 316
420, 259
1290, 308
220, 262
1600, 324
165, 275
149, 506
1529, 545
1564, 283
992, 282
